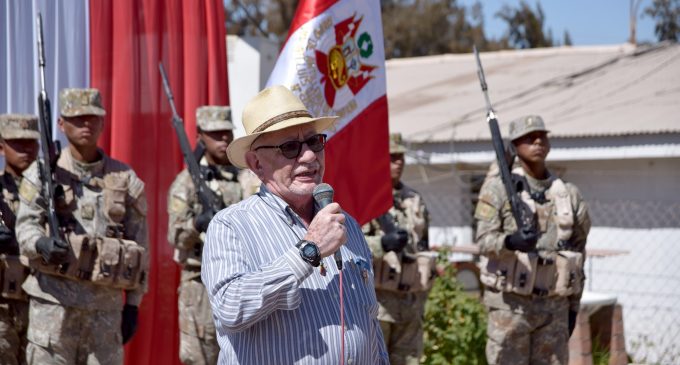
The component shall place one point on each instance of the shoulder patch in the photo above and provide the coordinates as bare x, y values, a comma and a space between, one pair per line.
177, 205
27, 191
485, 211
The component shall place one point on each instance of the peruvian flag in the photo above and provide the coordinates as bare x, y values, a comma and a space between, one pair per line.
334, 60
115, 46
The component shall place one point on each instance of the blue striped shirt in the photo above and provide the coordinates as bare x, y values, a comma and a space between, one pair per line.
270, 306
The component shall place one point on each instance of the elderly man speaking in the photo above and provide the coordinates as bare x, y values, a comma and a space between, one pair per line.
268, 261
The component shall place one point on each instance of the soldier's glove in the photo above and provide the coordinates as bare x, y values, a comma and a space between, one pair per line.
394, 241
572, 321
52, 250
521, 241
6, 235
128, 326
203, 220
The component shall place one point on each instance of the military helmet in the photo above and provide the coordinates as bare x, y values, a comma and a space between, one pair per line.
525, 125
19, 126
214, 118
396, 144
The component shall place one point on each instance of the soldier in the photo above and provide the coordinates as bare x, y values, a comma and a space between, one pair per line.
76, 281
187, 226
19, 145
533, 282
404, 269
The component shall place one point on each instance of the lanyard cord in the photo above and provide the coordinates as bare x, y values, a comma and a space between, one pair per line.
291, 217
342, 323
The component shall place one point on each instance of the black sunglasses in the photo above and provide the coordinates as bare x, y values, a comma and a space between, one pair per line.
292, 149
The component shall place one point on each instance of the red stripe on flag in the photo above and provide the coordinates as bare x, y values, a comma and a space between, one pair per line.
358, 164
306, 11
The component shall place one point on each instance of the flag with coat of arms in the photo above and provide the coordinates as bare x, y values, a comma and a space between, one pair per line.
334, 61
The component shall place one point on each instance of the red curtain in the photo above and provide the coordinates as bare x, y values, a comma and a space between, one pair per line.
128, 38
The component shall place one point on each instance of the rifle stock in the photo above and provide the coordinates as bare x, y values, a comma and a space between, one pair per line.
524, 217
206, 197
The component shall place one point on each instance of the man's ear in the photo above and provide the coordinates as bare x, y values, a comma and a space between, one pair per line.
60, 123
2, 147
254, 164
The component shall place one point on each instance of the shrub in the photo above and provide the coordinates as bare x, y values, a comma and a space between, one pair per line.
455, 322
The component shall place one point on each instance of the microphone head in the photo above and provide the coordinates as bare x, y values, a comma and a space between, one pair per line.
323, 194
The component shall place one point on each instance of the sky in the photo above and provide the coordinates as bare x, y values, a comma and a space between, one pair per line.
589, 22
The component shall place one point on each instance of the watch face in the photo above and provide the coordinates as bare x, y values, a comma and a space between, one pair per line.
309, 251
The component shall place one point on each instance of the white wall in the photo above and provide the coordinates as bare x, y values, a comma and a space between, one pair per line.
249, 61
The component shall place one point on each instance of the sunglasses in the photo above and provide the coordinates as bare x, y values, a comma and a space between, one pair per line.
292, 149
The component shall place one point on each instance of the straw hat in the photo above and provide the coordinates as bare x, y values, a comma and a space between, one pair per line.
273, 109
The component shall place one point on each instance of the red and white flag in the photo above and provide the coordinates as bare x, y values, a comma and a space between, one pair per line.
334, 60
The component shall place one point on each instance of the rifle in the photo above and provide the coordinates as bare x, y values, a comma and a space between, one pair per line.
206, 197
514, 185
50, 148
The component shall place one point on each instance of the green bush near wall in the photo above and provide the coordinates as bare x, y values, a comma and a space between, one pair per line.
455, 322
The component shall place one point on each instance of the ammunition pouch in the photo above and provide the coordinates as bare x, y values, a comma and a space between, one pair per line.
12, 275
413, 273
522, 273
115, 190
105, 261
190, 256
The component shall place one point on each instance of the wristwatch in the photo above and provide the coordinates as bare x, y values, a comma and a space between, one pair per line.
309, 252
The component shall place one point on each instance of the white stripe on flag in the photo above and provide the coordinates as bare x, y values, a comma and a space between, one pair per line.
299, 64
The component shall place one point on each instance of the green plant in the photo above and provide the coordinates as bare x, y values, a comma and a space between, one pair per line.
455, 322
600, 352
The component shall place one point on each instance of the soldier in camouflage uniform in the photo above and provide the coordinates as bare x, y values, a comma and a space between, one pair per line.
19, 145
77, 281
187, 226
397, 252
533, 282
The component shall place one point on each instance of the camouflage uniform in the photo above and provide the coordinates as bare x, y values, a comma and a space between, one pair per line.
76, 321
13, 301
530, 328
401, 311
198, 341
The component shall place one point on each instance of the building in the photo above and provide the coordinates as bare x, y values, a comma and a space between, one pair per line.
614, 116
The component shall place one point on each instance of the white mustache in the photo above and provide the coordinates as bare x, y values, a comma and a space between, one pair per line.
306, 168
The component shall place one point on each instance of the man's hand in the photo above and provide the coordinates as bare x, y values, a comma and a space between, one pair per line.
52, 250
6, 235
203, 220
327, 229
521, 241
394, 241
128, 326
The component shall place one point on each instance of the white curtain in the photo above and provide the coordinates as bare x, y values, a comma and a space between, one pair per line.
67, 54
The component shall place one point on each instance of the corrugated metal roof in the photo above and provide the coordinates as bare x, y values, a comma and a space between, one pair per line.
579, 91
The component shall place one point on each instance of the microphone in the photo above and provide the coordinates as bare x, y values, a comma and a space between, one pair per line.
323, 195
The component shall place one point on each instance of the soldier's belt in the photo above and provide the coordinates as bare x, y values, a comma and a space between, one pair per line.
106, 261
529, 274
12, 275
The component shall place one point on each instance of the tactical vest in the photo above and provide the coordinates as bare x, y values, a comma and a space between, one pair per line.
224, 182
413, 269
12, 272
551, 273
107, 259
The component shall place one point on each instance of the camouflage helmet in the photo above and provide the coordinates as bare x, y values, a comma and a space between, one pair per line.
77, 102
396, 144
214, 118
19, 126
525, 125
